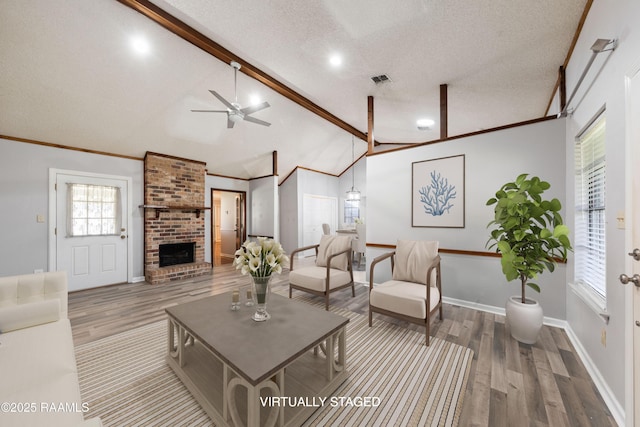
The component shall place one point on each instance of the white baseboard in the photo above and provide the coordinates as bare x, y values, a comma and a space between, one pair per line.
138, 279
550, 321
617, 410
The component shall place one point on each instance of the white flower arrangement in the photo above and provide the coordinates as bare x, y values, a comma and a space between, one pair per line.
261, 258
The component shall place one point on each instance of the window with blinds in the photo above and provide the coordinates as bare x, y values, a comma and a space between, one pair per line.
351, 211
590, 239
93, 210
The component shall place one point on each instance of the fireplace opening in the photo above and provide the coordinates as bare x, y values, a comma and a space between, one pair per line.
176, 253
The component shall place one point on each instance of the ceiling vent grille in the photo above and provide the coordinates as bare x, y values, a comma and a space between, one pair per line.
382, 78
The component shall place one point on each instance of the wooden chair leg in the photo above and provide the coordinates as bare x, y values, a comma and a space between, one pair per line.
427, 330
370, 317
441, 312
326, 301
353, 289
289, 291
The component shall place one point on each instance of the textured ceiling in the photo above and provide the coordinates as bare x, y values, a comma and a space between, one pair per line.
68, 75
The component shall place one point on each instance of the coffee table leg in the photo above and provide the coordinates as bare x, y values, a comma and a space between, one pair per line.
225, 397
176, 351
334, 365
276, 414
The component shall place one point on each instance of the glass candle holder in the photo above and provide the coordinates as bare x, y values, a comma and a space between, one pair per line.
235, 300
249, 293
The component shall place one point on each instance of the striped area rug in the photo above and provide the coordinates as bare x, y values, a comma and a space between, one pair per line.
125, 381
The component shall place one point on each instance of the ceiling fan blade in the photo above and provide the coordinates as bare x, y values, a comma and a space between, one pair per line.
257, 121
224, 101
254, 108
209, 111
230, 123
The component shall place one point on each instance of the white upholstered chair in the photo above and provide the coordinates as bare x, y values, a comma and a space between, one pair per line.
414, 292
332, 270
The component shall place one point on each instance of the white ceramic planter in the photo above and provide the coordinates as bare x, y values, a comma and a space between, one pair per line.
525, 320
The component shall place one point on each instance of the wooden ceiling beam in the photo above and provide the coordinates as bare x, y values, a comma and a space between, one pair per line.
201, 41
444, 112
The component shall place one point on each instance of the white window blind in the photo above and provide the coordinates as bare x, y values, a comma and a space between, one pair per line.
589, 242
93, 210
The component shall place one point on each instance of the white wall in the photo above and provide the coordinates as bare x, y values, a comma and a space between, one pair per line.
289, 219
292, 193
360, 179
491, 160
604, 85
264, 215
24, 177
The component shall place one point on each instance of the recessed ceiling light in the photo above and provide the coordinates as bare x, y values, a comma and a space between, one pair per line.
425, 124
335, 60
255, 99
140, 45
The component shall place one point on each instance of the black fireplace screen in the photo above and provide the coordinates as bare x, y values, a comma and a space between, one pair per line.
176, 253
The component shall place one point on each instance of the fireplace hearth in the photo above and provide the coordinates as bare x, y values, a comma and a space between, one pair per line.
176, 253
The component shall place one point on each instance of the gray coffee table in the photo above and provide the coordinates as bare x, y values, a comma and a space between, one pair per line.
234, 366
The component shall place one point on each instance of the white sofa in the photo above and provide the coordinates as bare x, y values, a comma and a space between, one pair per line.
38, 373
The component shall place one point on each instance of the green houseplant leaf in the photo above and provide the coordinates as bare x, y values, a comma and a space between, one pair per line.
527, 231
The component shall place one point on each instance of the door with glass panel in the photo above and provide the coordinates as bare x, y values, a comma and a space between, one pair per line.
91, 229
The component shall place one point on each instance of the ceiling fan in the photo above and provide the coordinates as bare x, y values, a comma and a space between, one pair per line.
234, 111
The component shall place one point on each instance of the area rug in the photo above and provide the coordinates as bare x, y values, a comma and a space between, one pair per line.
125, 381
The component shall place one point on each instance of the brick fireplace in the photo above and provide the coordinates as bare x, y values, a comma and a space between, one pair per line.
174, 193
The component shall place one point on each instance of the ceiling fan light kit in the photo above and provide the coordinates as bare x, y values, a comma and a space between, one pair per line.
235, 113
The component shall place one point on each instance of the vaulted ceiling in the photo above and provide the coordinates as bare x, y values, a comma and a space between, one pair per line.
69, 75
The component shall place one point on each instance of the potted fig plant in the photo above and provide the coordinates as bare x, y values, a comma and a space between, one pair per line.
529, 234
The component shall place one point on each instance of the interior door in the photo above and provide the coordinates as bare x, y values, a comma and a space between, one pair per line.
228, 223
317, 210
90, 245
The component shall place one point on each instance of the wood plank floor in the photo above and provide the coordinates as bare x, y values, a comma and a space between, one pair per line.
511, 384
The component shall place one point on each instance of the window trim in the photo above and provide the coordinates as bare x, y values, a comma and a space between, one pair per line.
590, 293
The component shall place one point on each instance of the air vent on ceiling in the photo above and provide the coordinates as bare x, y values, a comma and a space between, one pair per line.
382, 78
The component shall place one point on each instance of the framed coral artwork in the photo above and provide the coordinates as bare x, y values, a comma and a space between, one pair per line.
437, 192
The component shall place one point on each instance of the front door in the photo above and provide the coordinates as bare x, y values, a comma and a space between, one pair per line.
91, 228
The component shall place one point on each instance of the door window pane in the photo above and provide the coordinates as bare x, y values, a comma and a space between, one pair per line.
93, 210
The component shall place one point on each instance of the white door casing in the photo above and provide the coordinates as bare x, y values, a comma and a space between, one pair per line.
633, 213
89, 261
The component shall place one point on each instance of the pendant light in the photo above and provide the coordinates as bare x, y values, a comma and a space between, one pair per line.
353, 194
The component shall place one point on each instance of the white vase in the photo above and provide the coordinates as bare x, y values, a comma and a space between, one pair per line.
525, 320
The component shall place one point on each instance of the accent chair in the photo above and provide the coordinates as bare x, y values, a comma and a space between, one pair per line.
414, 292
332, 271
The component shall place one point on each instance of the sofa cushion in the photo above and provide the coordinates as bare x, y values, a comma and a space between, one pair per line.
404, 297
29, 314
34, 287
412, 260
330, 245
39, 365
315, 278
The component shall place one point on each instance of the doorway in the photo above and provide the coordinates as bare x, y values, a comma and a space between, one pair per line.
228, 229
90, 228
